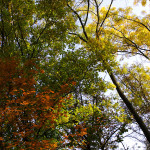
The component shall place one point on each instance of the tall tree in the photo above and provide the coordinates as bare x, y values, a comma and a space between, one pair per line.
95, 38
63, 48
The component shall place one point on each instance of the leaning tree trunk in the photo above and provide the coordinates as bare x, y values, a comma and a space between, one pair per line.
131, 108
120, 92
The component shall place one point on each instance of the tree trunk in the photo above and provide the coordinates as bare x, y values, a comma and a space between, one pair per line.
131, 108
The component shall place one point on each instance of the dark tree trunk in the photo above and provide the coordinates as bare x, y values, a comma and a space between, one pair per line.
131, 108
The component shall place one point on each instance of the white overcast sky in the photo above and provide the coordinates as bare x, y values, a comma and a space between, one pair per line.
137, 9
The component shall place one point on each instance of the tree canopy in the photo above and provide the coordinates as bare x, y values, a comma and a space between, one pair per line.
66, 79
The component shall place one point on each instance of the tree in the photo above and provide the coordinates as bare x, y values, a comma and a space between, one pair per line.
29, 115
53, 93
34, 29
97, 40
104, 123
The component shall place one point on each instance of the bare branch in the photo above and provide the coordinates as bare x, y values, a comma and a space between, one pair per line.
79, 36
106, 14
87, 13
83, 27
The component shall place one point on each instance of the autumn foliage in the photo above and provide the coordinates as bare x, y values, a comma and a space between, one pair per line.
27, 113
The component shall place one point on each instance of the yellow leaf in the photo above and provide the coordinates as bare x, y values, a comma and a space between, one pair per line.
143, 2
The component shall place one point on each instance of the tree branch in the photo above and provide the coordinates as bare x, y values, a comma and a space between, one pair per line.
79, 36
134, 44
106, 14
87, 14
83, 27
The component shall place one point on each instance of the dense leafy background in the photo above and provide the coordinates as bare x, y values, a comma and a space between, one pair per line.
55, 60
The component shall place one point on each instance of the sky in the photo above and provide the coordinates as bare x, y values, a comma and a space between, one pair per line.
137, 9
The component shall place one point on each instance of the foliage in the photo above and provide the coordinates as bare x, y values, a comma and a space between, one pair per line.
104, 130
56, 58
143, 2
34, 28
28, 116
112, 32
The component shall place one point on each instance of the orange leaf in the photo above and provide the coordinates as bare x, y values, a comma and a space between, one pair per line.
1, 139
